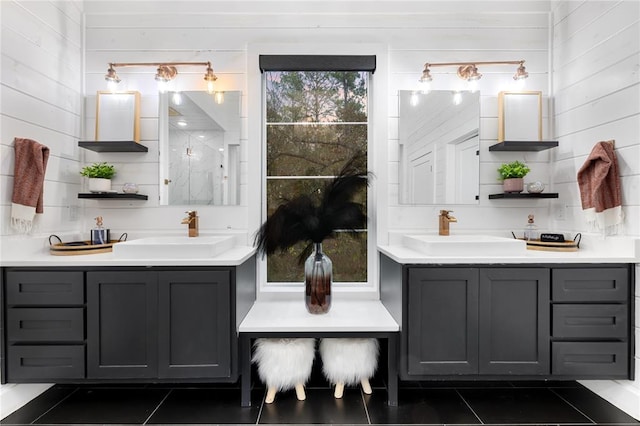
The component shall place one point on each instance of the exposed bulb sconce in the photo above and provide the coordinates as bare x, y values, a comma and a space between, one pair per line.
166, 71
219, 98
468, 70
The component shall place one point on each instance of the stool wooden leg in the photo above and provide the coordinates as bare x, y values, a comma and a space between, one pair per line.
339, 390
300, 394
366, 386
271, 395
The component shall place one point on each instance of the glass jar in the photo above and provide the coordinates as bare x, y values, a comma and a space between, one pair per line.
318, 276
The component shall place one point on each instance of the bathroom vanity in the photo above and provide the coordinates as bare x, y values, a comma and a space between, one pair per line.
100, 319
536, 316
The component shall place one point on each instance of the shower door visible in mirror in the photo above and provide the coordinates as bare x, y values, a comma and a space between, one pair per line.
438, 148
199, 148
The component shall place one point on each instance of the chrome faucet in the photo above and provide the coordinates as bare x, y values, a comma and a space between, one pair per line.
192, 221
445, 220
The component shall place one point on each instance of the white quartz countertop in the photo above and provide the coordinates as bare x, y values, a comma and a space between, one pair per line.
592, 250
233, 257
344, 316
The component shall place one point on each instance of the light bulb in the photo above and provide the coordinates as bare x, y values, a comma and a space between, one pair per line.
425, 86
177, 98
473, 85
112, 85
210, 87
219, 98
162, 86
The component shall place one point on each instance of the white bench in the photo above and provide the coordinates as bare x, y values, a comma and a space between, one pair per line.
347, 318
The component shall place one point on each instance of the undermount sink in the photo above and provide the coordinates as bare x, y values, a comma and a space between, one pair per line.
173, 247
464, 245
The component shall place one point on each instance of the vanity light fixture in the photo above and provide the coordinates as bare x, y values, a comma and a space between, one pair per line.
166, 71
469, 71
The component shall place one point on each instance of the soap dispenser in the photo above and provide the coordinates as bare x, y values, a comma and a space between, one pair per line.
531, 230
99, 235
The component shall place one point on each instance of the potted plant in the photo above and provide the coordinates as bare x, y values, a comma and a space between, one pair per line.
99, 175
512, 175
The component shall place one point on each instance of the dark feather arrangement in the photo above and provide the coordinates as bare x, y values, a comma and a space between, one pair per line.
314, 218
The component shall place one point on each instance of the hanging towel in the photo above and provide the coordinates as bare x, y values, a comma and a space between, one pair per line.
28, 183
599, 183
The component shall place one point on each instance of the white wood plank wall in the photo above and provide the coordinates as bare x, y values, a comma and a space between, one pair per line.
41, 99
596, 89
415, 32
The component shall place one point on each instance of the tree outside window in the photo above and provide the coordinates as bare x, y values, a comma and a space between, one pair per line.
315, 122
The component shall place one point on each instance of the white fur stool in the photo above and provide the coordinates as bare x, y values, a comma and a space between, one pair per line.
284, 364
349, 361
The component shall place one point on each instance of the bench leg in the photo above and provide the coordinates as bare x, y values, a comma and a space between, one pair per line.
245, 365
392, 380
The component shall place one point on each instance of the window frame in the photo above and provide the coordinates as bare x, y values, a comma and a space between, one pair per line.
377, 163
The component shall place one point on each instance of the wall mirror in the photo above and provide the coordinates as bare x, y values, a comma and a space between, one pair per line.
520, 116
199, 142
439, 144
118, 116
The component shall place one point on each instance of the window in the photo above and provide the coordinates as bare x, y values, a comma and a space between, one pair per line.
315, 122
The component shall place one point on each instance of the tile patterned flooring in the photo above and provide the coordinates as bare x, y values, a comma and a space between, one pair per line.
421, 403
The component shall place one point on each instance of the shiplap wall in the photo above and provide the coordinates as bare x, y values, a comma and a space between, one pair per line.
596, 89
413, 32
41, 98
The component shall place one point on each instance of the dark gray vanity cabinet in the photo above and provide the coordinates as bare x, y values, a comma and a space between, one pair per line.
124, 324
172, 324
591, 322
195, 331
488, 321
561, 322
44, 327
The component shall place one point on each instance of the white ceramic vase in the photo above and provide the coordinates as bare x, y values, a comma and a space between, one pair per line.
99, 185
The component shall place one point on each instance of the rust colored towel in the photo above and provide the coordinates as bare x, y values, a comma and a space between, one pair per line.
28, 183
599, 182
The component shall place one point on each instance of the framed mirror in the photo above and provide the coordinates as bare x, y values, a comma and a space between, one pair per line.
520, 116
438, 147
118, 116
199, 142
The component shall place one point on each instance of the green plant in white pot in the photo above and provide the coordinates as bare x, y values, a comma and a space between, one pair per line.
512, 175
99, 175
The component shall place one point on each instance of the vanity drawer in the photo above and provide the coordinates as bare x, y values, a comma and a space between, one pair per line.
45, 362
597, 359
590, 321
50, 288
590, 285
45, 324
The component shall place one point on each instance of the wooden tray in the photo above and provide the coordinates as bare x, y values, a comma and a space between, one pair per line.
553, 245
75, 248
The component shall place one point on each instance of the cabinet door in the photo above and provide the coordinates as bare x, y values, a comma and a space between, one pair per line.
442, 321
195, 324
514, 320
122, 310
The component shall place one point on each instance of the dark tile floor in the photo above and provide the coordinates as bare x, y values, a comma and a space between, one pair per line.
424, 403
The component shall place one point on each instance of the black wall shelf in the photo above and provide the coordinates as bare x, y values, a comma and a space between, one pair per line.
523, 146
113, 146
113, 196
522, 195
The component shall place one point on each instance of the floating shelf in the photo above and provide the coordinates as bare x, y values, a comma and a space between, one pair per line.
522, 195
113, 146
523, 146
113, 196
